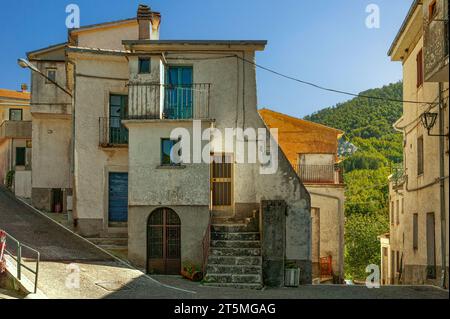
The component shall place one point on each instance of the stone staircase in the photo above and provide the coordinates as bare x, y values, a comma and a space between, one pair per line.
235, 254
114, 243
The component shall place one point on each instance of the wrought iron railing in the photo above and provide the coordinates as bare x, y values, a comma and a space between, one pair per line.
112, 132
150, 101
321, 174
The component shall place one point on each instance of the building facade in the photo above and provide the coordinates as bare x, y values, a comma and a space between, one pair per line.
312, 149
422, 47
131, 92
15, 141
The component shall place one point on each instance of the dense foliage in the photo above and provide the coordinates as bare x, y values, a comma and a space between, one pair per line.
367, 124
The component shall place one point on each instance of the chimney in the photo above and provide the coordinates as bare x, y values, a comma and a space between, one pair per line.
144, 16
24, 87
148, 22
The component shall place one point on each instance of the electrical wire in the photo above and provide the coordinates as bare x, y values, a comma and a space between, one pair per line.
329, 89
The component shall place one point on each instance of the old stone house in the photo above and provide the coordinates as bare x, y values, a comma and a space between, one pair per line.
15, 141
106, 153
418, 245
312, 149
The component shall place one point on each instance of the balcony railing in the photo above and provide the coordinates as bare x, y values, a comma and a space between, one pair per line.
150, 101
320, 174
112, 132
398, 175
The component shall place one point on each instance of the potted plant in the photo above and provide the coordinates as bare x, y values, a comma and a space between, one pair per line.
191, 271
291, 275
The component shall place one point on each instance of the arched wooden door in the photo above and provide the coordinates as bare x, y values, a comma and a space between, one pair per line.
164, 242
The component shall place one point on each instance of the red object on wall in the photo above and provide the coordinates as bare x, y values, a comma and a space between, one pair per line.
2, 250
326, 269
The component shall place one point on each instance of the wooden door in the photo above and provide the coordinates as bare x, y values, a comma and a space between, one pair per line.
164, 242
222, 182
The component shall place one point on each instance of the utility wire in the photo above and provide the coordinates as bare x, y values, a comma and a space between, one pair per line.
329, 89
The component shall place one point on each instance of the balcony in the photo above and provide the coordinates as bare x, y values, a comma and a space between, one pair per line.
331, 174
112, 133
15, 129
436, 44
398, 175
150, 101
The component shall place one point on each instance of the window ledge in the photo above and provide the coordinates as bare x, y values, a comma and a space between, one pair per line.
171, 167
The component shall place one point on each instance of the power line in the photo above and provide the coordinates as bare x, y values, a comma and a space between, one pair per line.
329, 89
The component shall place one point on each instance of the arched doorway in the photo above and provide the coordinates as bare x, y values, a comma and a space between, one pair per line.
164, 242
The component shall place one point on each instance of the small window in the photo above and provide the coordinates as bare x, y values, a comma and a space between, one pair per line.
392, 213
420, 156
419, 60
415, 231
20, 156
15, 115
51, 75
398, 212
144, 65
167, 148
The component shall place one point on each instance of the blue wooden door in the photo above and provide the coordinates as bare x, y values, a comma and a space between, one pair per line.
178, 97
118, 197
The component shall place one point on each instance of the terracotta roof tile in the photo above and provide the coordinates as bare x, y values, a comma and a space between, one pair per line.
10, 94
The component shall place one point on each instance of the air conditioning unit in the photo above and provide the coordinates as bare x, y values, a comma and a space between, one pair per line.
292, 277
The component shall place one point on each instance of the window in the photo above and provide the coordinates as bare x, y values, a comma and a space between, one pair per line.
118, 110
398, 212
20, 156
167, 149
51, 74
420, 164
15, 114
144, 65
392, 212
415, 231
419, 60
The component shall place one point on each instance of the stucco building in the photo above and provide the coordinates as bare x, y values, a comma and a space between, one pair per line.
15, 141
312, 149
419, 226
107, 153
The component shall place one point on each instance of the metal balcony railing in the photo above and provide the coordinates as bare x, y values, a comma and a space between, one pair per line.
150, 101
112, 132
398, 175
320, 174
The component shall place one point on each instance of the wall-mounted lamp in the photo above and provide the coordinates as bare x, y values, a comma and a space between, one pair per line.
428, 121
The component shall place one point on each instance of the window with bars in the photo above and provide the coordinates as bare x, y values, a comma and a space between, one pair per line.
419, 60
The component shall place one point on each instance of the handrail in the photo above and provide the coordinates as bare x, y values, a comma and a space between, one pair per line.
206, 244
18, 256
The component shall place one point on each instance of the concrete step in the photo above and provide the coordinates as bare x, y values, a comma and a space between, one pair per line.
233, 278
235, 251
114, 247
235, 228
235, 285
233, 260
235, 236
233, 269
119, 241
236, 244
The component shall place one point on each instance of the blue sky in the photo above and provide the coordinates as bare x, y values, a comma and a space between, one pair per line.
323, 41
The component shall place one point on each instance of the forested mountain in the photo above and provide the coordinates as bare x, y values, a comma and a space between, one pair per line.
367, 124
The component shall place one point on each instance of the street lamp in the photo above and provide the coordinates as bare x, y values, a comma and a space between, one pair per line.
27, 64
428, 121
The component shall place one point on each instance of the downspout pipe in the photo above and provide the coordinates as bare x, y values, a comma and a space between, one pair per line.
341, 231
442, 185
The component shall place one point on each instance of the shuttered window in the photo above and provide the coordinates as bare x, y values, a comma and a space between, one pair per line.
415, 231
419, 60
420, 163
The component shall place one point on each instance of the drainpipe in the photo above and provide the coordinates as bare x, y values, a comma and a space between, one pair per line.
72, 164
341, 231
442, 184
